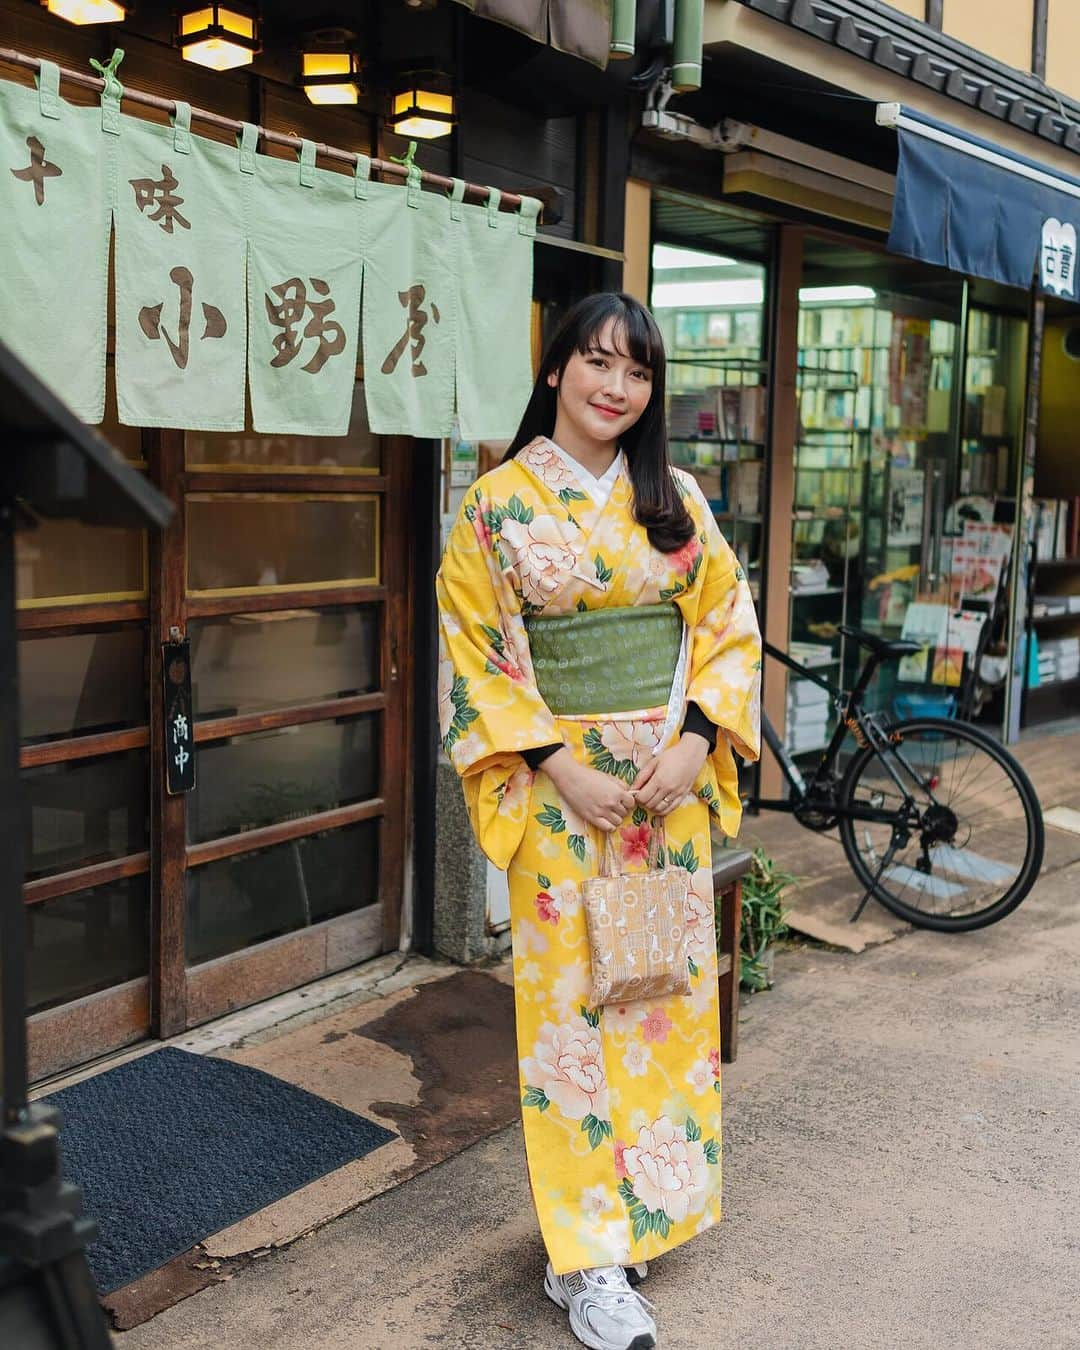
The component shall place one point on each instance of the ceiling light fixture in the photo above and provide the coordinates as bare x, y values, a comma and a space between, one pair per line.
87, 11
219, 36
423, 108
330, 67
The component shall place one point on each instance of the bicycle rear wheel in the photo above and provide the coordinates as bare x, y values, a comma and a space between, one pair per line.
968, 830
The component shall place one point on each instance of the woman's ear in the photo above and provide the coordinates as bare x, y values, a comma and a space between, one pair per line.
553, 379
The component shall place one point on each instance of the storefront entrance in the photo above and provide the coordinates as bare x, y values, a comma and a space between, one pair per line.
287, 571
856, 421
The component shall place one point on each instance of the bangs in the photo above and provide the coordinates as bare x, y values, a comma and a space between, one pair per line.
634, 334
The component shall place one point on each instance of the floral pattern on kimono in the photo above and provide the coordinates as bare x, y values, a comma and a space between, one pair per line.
621, 1105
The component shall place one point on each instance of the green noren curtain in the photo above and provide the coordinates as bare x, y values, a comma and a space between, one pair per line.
181, 328
494, 364
409, 310
304, 271
239, 273
54, 214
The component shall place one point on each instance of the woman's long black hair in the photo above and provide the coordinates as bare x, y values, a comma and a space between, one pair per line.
657, 503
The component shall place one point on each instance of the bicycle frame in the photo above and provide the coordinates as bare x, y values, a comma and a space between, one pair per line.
853, 719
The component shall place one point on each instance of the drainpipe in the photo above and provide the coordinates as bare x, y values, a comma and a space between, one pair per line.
686, 57
623, 24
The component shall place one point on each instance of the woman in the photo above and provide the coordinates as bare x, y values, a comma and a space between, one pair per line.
600, 660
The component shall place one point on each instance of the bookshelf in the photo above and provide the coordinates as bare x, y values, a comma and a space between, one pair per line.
717, 406
1052, 673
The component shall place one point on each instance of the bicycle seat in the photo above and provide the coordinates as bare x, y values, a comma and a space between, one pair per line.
881, 647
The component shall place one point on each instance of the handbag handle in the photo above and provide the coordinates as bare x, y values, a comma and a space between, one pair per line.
609, 860
659, 838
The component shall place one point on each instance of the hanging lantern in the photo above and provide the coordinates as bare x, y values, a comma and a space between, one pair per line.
87, 11
422, 108
219, 36
330, 68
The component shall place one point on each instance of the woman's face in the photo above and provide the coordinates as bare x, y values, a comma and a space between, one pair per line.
603, 392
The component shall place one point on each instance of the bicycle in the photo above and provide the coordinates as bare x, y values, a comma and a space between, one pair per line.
924, 831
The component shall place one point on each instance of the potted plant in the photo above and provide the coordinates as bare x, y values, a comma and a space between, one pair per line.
763, 919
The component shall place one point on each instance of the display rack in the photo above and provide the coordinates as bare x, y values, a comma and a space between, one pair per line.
728, 467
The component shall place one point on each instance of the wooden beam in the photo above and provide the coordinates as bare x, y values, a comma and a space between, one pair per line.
82, 747
283, 831
97, 874
310, 597
168, 814
775, 601
637, 240
297, 715
398, 729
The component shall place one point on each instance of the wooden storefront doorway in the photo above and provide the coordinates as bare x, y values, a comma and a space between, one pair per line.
287, 568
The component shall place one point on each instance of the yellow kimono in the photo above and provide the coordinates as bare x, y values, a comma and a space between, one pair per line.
621, 1105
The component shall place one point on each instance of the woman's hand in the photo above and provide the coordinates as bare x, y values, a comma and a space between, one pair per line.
664, 782
600, 798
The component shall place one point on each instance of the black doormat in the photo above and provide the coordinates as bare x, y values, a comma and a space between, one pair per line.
172, 1147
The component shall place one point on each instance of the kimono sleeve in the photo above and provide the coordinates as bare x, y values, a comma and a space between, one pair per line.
490, 709
725, 646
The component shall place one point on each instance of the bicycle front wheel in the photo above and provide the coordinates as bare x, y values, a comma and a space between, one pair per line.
964, 825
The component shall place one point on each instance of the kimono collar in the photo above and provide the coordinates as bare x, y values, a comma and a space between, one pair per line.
599, 489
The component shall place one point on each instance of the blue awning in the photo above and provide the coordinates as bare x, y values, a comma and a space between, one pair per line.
966, 204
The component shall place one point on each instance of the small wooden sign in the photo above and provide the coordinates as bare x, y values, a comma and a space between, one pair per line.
179, 731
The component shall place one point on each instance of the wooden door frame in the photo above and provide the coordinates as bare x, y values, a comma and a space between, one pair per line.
174, 997
293, 959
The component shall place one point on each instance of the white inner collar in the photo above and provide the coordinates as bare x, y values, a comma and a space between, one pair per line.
599, 489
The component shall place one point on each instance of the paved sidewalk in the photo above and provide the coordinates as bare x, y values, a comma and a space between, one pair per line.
900, 1172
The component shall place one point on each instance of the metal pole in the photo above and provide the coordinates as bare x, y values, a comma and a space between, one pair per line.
12, 914
1023, 527
510, 201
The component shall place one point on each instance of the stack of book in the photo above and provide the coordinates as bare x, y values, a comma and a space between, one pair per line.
1054, 606
807, 721
740, 412
985, 470
809, 576
683, 416
1057, 528
811, 654
1059, 660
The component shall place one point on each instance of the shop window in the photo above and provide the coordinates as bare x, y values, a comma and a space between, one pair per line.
710, 309
236, 902
243, 663
272, 542
84, 811
246, 782
249, 452
66, 562
90, 940
877, 378
81, 683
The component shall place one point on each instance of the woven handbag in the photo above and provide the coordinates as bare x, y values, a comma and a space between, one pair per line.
637, 927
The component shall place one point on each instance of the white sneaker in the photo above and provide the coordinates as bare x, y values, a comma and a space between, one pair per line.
605, 1313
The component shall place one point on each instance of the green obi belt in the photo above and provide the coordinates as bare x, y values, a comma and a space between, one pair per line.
605, 660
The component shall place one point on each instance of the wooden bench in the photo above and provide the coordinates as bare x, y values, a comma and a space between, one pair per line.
730, 865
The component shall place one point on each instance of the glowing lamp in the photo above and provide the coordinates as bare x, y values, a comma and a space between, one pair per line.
422, 113
87, 11
219, 36
330, 74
